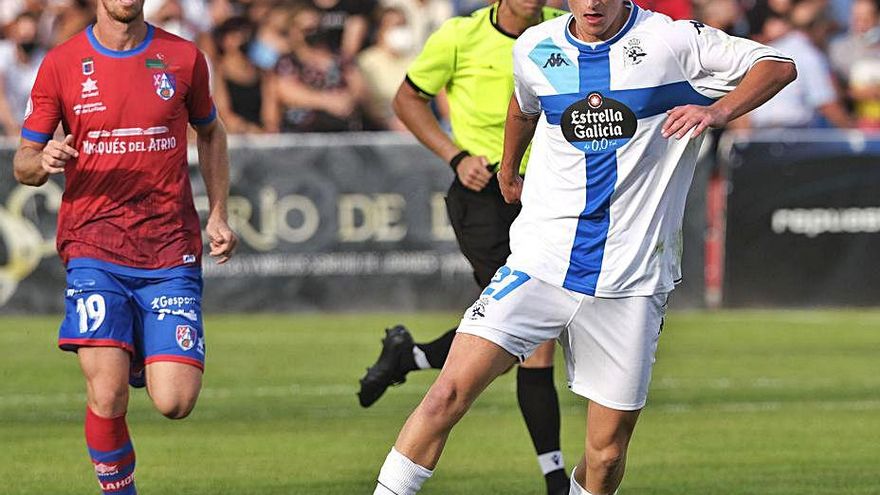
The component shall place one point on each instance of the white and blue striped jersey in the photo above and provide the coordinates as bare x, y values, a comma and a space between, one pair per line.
604, 193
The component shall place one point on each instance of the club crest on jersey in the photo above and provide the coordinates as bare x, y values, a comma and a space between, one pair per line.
88, 66
165, 85
632, 52
598, 123
186, 337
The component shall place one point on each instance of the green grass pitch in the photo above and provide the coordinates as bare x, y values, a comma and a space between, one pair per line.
741, 403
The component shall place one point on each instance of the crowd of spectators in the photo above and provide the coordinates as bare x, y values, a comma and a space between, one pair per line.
335, 65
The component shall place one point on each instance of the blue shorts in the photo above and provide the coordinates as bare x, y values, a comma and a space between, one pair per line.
156, 315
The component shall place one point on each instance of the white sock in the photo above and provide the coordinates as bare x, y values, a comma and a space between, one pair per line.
575, 489
420, 358
400, 476
551, 461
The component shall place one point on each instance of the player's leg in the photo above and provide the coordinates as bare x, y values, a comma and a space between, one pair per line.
608, 435
472, 364
98, 326
487, 245
174, 343
539, 403
174, 387
513, 316
610, 346
481, 221
110, 448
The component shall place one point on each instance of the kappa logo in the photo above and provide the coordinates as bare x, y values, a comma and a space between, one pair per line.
186, 337
165, 85
633, 52
557, 459
555, 60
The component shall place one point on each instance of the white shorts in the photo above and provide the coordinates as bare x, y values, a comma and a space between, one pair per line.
609, 344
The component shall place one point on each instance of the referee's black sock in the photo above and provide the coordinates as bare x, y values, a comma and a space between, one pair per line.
435, 352
539, 404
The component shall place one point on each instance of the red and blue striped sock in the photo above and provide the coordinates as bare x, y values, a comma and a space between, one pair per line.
111, 452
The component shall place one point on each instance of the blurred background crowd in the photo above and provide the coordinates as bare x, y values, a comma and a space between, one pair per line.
334, 65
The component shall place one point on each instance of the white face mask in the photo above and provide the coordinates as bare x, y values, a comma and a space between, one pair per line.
400, 40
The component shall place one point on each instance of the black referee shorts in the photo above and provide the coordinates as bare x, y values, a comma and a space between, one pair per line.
481, 221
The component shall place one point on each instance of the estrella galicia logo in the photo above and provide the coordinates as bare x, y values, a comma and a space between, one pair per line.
597, 123
555, 60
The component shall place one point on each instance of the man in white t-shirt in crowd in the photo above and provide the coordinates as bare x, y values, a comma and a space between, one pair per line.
812, 97
20, 58
617, 100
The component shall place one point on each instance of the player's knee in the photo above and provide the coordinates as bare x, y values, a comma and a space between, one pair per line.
109, 402
606, 457
175, 407
444, 400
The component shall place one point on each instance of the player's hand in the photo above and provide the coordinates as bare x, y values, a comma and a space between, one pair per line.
56, 154
511, 188
221, 238
682, 119
473, 172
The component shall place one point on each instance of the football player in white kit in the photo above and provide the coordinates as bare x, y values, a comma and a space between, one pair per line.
615, 100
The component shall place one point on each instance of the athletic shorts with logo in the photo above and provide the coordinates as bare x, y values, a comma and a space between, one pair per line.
609, 343
153, 314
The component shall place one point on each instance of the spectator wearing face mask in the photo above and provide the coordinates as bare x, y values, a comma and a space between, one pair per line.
244, 95
20, 58
271, 40
856, 59
318, 90
384, 66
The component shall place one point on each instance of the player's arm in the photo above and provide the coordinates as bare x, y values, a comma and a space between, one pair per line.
761, 83
428, 74
38, 155
34, 162
414, 111
740, 74
214, 166
213, 160
518, 132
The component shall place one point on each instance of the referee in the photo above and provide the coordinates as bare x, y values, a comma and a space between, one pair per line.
471, 58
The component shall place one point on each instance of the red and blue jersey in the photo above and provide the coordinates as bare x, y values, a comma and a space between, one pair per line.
127, 197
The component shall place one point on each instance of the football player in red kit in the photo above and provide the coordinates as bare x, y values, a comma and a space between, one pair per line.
128, 233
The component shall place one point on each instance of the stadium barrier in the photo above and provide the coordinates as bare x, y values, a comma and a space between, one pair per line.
803, 218
353, 222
